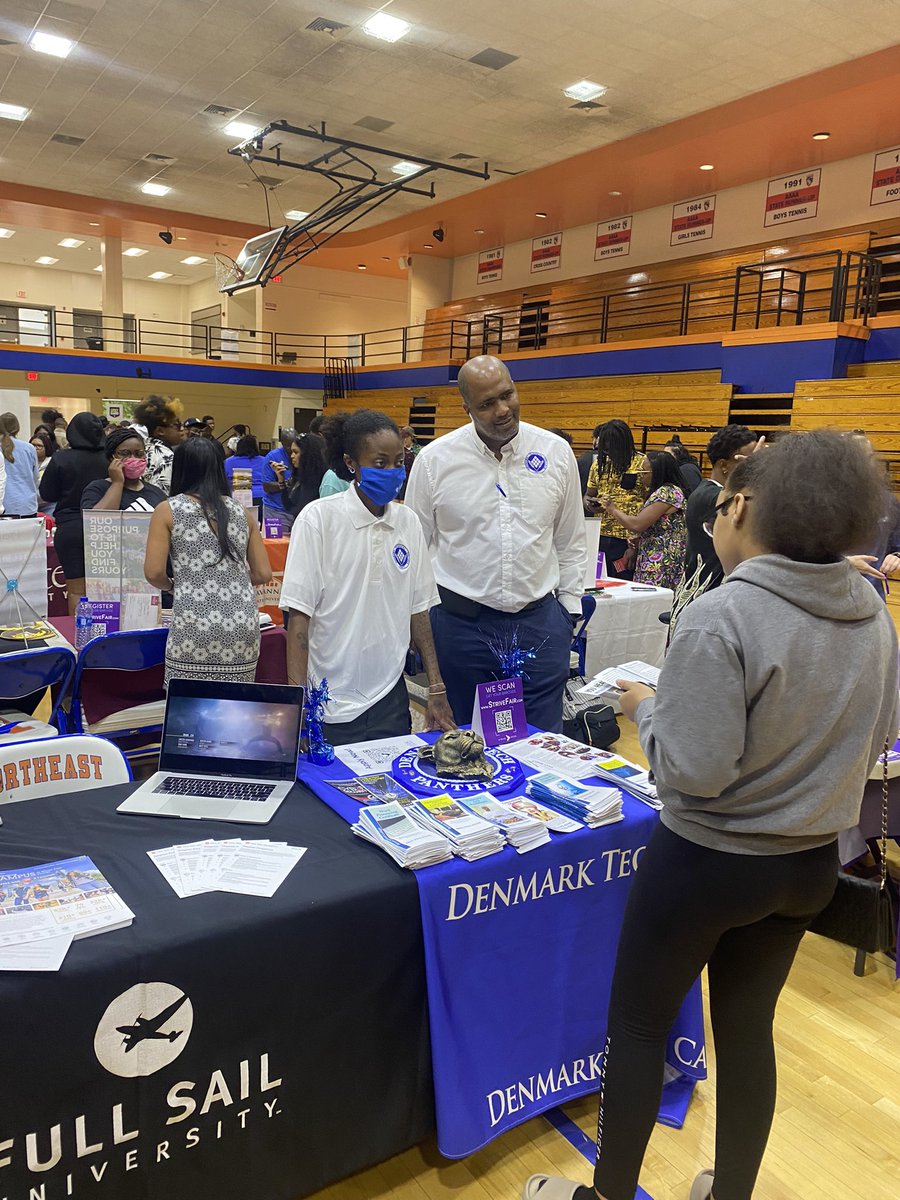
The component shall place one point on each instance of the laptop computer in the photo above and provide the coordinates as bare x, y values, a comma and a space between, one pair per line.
229, 752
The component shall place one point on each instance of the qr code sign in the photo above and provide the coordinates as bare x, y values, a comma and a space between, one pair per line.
503, 720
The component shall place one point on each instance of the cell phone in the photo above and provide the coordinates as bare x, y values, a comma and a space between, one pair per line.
629, 481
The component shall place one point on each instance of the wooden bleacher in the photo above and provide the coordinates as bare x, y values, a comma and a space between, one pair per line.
866, 402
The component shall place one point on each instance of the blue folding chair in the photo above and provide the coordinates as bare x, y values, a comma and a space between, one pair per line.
118, 690
579, 637
25, 675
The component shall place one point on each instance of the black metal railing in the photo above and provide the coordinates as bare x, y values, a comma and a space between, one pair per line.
828, 286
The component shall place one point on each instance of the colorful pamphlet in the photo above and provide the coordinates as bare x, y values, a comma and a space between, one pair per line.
523, 832
555, 752
553, 820
408, 842
470, 836
594, 806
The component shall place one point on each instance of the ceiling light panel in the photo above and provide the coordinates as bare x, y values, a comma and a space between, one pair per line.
134, 252
160, 275
46, 261
13, 112
386, 28
296, 214
193, 260
49, 43
405, 168
70, 243
150, 188
585, 90
241, 129
6, 233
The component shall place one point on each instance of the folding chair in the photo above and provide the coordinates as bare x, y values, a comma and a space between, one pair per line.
25, 675
52, 766
579, 636
118, 690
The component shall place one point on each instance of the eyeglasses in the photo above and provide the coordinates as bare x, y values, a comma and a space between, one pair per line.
128, 454
720, 508
171, 425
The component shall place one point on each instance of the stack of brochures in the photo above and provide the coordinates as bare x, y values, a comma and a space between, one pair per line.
632, 672
256, 868
548, 816
523, 832
595, 806
628, 776
43, 909
470, 837
407, 842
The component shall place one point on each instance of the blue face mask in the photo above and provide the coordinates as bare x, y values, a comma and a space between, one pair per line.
381, 484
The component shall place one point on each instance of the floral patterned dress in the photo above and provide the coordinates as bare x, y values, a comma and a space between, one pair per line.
662, 548
215, 621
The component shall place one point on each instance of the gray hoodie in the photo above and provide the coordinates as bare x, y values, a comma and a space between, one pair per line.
777, 693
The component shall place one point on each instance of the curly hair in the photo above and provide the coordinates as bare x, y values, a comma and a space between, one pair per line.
817, 495
157, 410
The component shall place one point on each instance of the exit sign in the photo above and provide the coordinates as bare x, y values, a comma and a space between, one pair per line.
21, 295
32, 376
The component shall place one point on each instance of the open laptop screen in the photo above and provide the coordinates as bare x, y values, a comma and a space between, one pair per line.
247, 729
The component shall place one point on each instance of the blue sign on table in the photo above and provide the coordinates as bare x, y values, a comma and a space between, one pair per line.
422, 778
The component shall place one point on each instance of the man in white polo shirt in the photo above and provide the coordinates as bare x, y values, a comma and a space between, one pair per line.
500, 505
358, 583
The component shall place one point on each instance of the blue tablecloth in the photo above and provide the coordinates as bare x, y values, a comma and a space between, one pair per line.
520, 951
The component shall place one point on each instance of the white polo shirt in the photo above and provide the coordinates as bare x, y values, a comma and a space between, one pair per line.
359, 578
502, 533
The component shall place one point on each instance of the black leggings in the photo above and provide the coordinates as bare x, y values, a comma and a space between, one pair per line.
744, 916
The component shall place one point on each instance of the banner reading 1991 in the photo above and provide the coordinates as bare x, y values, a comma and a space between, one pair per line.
886, 177
613, 239
793, 197
490, 265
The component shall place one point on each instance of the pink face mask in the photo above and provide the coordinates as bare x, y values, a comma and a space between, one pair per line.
133, 468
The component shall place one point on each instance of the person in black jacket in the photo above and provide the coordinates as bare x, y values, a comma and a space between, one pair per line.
309, 465
67, 475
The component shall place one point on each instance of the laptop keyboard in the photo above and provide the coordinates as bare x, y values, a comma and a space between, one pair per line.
217, 789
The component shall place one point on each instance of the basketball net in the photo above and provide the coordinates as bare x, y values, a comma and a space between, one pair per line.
227, 271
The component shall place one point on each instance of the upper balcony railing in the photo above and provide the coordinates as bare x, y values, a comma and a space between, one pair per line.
828, 286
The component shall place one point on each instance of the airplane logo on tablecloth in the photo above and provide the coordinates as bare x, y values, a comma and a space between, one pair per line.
144, 1029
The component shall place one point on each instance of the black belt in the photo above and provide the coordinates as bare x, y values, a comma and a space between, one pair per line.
462, 606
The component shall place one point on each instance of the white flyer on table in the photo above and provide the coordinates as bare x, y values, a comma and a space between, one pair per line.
369, 758
632, 672
46, 954
557, 753
259, 868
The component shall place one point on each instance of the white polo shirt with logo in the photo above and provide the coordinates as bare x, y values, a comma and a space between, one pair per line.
359, 578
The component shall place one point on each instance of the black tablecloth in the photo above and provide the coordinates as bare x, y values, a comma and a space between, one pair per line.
326, 979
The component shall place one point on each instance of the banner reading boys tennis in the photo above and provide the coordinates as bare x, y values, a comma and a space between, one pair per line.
793, 197
490, 265
613, 239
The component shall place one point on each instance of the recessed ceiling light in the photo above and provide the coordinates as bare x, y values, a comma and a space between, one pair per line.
46, 261
543, 216
385, 258
13, 112
296, 214
134, 252
707, 167
155, 189
360, 266
193, 260
70, 243
821, 137
241, 129
94, 224
406, 168
99, 269
48, 43
479, 231
427, 245
160, 275
388, 29
615, 193
585, 90
6, 232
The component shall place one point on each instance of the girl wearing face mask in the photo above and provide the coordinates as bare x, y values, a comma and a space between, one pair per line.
122, 490
358, 584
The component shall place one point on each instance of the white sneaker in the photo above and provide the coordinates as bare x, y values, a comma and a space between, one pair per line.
549, 1187
702, 1187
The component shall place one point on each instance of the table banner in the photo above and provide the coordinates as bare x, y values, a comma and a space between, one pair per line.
519, 956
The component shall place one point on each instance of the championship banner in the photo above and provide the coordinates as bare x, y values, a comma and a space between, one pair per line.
693, 220
546, 252
613, 239
886, 177
519, 952
490, 265
793, 197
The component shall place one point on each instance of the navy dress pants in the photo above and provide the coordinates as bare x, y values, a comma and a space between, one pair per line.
466, 658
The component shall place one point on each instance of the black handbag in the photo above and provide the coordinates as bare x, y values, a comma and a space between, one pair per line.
863, 912
595, 726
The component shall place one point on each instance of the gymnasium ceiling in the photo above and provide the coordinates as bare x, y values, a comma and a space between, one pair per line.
682, 75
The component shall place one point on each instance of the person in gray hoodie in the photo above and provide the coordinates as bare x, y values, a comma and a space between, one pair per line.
777, 695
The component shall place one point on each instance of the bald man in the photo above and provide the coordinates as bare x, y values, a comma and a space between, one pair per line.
500, 503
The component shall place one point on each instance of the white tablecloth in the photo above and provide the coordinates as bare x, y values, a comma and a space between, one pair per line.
626, 627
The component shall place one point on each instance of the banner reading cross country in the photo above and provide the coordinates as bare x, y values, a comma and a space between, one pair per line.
693, 220
886, 177
546, 252
613, 239
793, 197
490, 265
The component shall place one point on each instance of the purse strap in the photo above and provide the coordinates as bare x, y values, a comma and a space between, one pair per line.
884, 814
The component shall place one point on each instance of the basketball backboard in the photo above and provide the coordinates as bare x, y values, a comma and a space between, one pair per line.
250, 267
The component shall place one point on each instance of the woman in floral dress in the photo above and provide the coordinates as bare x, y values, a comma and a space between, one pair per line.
661, 533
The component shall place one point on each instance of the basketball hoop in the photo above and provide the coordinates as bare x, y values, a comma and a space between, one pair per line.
227, 272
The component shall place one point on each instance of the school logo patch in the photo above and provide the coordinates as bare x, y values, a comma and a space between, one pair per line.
400, 555
536, 463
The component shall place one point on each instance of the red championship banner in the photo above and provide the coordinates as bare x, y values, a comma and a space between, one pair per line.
886, 177
693, 220
793, 197
613, 239
490, 265
546, 252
